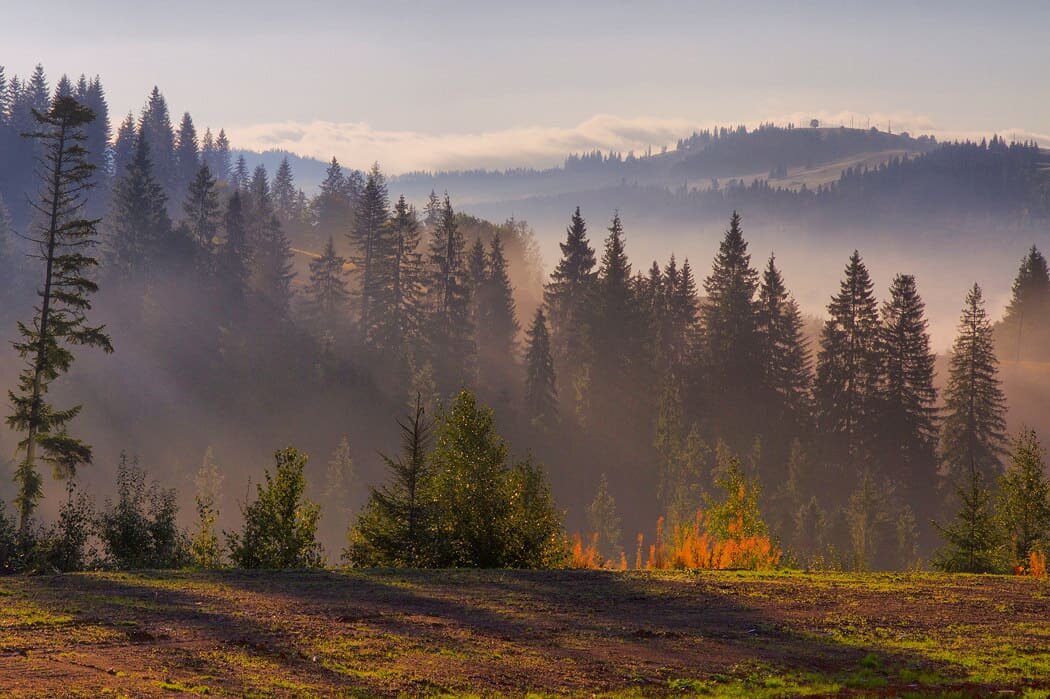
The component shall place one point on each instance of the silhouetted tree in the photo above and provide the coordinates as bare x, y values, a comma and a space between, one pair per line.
541, 393
973, 433
64, 241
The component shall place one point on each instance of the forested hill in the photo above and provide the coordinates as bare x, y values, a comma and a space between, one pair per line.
719, 154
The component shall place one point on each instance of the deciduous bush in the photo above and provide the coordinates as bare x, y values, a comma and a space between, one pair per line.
139, 530
280, 526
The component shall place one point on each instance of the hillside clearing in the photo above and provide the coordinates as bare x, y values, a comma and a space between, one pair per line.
389, 632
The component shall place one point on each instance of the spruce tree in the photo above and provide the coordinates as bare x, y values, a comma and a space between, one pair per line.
784, 351
605, 522
477, 273
614, 326
731, 359
139, 221
497, 342
678, 330
905, 424
326, 292
201, 209
124, 147
566, 296
156, 129
848, 364
400, 307
1024, 499
1026, 325
223, 164
332, 206
450, 332
208, 151
284, 193
234, 259
64, 241
370, 240
394, 528
187, 155
541, 393
273, 259
973, 539
973, 433
239, 176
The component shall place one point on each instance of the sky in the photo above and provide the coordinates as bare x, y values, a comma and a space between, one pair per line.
451, 85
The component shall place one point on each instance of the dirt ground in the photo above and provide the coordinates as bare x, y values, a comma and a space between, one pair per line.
505, 632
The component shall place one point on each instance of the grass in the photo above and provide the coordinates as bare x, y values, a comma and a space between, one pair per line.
384, 633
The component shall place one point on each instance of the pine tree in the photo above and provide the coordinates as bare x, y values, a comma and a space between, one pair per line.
973, 433
370, 240
1026, 325
208, 151
124, 147
1024, 499
848, 363
338, 481
155, 128
326, 292
332, 207
614, 326
477, 273
60, 321
223, 167
731, 359
432, 212
784, 351
399, 308
394, 528
201, 210
566, 296
273, 258
234, 259
187, 156
284, 194
605, 522
541, 393
450, 334
497, 345
972, 541
488, 513
678, 330
239, 176
906, 427
97, 142
139, 220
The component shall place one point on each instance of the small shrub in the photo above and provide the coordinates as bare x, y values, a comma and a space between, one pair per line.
280, 527
139, 530
63, 545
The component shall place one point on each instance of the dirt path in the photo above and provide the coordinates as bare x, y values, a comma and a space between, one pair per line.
564, 632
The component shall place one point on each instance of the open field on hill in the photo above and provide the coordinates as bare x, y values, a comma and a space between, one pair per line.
502, 632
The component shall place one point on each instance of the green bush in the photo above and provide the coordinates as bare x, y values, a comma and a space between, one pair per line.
476, 509
280, 527
139, 530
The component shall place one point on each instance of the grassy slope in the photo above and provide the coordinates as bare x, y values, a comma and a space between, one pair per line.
385, 632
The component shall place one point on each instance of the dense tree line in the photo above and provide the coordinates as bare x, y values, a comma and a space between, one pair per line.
634, 373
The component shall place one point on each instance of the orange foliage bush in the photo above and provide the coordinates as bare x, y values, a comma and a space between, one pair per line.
585, 556
692, 547
1037, 564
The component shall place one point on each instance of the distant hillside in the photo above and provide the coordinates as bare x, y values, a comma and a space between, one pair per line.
736, 153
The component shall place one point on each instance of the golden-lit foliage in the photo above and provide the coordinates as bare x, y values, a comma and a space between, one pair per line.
691, 547
1037, 564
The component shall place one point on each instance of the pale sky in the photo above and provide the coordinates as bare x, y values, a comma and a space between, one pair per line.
461, 84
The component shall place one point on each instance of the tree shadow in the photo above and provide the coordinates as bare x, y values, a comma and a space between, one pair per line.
391, 631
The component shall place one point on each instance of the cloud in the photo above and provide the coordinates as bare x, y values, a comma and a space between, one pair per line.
359, 144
